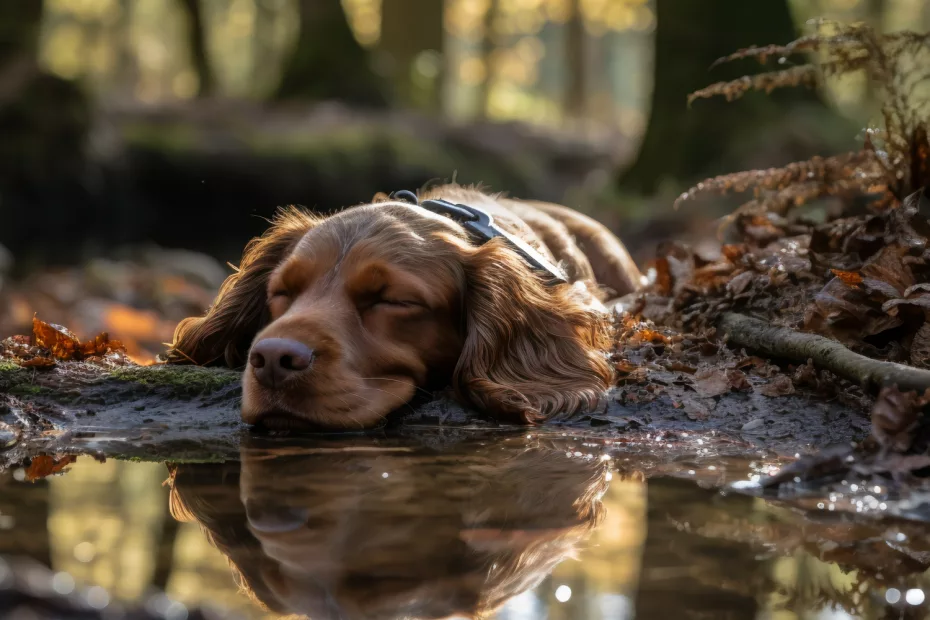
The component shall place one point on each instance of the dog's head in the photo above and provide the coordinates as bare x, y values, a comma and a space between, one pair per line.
319, 531
340, 320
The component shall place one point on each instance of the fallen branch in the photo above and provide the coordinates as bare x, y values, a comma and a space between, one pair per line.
827, 354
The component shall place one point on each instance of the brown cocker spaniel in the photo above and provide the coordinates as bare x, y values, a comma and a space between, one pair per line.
339, 320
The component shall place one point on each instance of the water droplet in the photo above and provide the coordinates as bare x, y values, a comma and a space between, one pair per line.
63, 583
914, 596
97, 597
892, 595
563, 593
176, 611
84, 552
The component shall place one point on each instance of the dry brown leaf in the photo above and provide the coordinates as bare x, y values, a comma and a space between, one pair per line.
888, 266
894, 417
43, 466
920, 347
780, 385
697, 410
737, 380
663, 283
625, 367
734, 251
739, 283
711, 382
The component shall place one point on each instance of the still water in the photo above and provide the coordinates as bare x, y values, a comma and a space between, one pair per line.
511, 528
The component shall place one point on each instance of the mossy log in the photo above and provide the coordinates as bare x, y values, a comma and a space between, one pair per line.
188, 413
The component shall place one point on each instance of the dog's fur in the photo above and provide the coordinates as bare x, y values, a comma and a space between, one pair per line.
394, 299
319, 532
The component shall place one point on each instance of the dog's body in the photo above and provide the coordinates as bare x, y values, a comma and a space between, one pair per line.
340, 320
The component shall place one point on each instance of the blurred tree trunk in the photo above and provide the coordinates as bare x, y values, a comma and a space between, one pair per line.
686, 144
44, 121
20, 23
328, 62
410, 28
488, 49
875, 10
575, 105
263, 47
197, 45
126, 75
164, 555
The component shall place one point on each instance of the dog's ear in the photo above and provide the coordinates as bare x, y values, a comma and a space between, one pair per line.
224, 334
530, 350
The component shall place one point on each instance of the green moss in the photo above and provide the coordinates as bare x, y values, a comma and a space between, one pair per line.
10, 375
10, 367
26, 390
183, 380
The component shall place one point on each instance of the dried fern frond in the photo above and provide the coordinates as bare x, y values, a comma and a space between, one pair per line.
803, 75
764, 52
895, 158
831, 174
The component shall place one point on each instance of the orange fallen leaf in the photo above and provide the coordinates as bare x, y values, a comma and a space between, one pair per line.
64, 345
43, 466
650, 335
57, 339
38, 362
733, 252
851, 278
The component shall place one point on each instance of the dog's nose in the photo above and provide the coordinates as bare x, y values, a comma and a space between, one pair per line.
275, 360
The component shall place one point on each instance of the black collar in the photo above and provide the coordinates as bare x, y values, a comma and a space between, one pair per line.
481, 227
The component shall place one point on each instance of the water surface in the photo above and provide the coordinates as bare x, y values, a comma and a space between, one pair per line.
515, 527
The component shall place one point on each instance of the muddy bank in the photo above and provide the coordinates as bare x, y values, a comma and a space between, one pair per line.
192, 414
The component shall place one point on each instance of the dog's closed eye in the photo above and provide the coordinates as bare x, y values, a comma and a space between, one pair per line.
386, 299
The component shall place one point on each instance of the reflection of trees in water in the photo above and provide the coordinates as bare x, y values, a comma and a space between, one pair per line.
108, 525
766, 558
20, 506
720, 557
104, 524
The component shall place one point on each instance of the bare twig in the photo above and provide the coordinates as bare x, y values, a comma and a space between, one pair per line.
785, 343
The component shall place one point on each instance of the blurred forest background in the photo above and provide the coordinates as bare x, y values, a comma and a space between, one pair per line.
140, 138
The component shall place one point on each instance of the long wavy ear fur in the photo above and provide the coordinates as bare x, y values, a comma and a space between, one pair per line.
224, 334
530, 350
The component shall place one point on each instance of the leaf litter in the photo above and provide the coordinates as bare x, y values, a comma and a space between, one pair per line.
835, 246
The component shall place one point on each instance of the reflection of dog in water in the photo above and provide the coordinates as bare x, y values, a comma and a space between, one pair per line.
349, 532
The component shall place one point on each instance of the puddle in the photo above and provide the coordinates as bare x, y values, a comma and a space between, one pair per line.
515, 527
